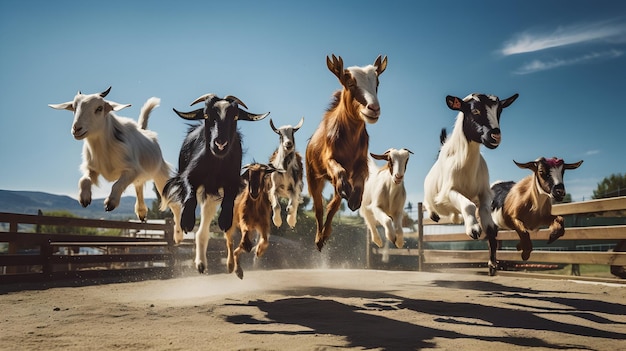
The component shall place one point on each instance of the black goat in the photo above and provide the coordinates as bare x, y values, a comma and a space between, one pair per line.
208, 167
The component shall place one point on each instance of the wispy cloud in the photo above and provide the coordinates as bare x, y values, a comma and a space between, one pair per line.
530, 42
592, 152
541, 65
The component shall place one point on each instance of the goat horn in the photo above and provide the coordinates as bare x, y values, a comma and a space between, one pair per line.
105, 93
204, 97
298, 125
274, 128
411, 152
235, 99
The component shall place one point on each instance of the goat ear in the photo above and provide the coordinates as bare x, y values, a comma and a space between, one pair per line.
192, 116
247, 116
454, 103
335, 66
379, 157
381, 65
64, 106
528, 165
508, 101
116, 106
572, 165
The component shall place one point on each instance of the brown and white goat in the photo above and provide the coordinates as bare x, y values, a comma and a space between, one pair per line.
287, 184
337, 151
527, 205
384, 196
252, 212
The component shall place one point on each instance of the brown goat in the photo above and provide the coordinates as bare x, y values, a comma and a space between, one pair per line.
252, 212
337, 151
527, 205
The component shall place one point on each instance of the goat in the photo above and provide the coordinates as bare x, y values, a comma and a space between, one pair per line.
337, 151
286, 184
459, 179
208, 167
118, 148
251, 213
384, 196
527, 205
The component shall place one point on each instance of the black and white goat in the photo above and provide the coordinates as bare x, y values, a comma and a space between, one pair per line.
459, 179
286, 184
251, 213
384, 196
118, 149
527, 205
208, 167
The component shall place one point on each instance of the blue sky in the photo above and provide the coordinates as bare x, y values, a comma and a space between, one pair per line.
566, 59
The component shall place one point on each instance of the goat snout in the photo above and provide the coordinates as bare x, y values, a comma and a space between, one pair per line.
222, 146
78, 132
558, 192
288, 145
398, 178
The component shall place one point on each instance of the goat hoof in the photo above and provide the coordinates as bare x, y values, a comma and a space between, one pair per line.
525, 255
553, 237
492, 270
435, 217
239, 272
201, 267
319, 245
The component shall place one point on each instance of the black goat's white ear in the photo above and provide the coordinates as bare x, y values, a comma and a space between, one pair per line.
193, 115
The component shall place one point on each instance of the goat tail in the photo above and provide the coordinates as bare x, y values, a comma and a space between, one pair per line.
173, 191
150, 105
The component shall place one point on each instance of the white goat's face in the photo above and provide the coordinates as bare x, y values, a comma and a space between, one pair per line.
90, 113
549, 175
397, 161
362, 83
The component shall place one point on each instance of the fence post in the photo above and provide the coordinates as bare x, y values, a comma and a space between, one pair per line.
171, 248
420, 236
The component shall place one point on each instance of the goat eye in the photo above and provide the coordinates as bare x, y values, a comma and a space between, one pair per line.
99, 109
476, 111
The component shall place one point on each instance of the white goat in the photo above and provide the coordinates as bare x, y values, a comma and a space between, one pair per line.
384, 196
119, 149
459, 179
287, 184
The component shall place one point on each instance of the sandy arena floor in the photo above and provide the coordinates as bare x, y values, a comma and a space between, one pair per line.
319, 310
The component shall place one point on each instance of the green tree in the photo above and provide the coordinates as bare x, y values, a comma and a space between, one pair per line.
611, 186
63, 229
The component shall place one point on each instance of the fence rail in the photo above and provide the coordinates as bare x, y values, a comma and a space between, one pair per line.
605, 233
38, 257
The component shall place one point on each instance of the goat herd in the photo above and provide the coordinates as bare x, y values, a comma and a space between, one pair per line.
209, 169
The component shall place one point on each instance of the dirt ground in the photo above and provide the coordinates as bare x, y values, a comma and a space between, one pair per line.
319, 310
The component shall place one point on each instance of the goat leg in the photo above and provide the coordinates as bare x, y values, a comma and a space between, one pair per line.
188, 216
557, 229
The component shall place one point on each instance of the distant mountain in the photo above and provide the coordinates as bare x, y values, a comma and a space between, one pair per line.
29, 202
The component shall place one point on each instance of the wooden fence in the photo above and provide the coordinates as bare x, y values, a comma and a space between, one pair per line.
606, 233
38, 257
